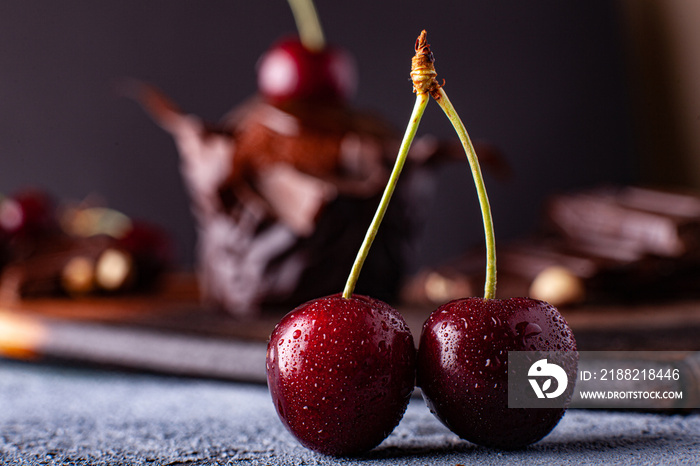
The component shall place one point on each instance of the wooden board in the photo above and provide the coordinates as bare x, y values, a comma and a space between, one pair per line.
172, 332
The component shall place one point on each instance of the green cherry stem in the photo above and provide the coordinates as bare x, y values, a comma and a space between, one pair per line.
490, 284
422, 99
424, 75
308, 24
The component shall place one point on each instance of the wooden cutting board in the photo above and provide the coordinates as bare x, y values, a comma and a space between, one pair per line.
171, 331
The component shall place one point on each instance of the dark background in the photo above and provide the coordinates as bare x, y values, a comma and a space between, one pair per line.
547, 81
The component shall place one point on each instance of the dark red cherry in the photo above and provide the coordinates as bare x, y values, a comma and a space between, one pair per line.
150, 247
341, 373
27, 213
148, 241
462, 367
290, 71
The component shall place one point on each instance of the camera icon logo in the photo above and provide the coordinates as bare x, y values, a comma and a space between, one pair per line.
540, 376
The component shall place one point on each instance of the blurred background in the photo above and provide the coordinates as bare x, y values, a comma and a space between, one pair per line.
575, 94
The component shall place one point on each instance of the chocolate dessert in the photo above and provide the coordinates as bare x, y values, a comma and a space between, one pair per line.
282, 193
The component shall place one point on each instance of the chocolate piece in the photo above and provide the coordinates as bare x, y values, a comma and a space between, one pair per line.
603, 244
629, 219
648, 240
59, 262
42, 273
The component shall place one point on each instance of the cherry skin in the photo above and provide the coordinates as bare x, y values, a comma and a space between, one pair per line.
341, 372
290, 71
462, 367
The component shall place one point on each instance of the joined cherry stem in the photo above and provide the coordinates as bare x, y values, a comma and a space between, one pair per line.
425, 85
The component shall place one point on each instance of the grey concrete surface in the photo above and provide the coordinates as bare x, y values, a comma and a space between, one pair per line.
52, 415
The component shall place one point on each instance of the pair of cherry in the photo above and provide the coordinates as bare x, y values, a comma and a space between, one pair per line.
341, 371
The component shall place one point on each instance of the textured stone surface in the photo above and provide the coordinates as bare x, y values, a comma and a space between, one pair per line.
58, 415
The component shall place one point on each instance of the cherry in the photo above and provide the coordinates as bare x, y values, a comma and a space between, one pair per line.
464, 345
341, 369
463, 367
151, 249
27, 213
341, 372
148, 242
292, 71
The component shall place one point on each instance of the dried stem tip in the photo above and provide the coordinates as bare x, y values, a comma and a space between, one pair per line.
423, 69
